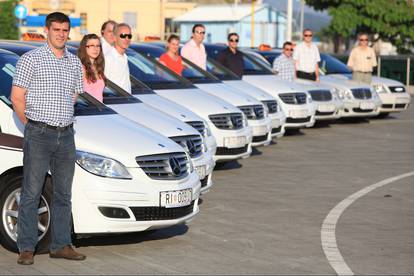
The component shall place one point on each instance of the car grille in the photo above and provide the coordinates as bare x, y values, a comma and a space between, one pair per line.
232, 151
204, 182
253, 112
361, 93
271, 106
168, 166
193, 144
359, 110
400, 105
276, 130
298, 120
321, 95
397, 89
320, 113
261, 138
387, 106
199, 126
227, 121
161, 213
293, 98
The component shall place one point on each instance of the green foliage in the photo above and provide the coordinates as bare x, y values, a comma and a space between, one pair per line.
8, 28
391, 20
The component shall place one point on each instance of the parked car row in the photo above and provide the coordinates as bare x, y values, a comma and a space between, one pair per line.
145, 157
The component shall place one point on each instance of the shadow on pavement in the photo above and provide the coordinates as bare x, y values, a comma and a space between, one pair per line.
353, 121
294, 132
256, 152
229, 165
322, 124
132, 238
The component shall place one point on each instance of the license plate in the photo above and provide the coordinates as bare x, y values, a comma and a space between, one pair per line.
171, 199
235, 142
201, 171
326, 108
298, 113
366, 106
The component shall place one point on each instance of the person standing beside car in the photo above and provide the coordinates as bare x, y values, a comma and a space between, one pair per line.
362, 60
171, 58
116, 61
90, 54
194, 49
231, 57
284, 65
108, 37
306, 56
45, 86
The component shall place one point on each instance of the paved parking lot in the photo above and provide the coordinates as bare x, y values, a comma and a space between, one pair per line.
265, 214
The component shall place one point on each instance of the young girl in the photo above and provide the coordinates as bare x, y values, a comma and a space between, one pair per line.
90, 54
171, 58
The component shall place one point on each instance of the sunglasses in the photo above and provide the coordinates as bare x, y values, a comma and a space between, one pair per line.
123, 36
307, 35
198, 32
233, 40
363, 39
288, 49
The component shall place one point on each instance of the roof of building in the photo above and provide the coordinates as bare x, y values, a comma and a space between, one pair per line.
229, 12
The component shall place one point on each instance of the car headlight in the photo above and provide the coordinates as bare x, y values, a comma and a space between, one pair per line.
335, 94
204, 145
102, 166
345, 94
190, 162
374, 94
245, 123
379, 88
310, 99
207, 132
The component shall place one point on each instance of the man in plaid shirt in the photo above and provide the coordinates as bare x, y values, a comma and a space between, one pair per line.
284, 65
45, 86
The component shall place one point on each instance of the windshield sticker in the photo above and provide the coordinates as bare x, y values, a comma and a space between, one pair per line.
9, 69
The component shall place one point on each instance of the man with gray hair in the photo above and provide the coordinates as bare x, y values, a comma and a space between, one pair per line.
116, 61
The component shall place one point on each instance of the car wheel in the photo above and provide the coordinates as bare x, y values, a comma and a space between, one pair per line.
9, 203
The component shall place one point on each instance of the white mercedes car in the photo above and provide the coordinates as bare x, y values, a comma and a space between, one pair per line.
127, 178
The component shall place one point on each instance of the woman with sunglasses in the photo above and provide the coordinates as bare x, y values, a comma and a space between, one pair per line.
90, 54
171, 58
362, 60
231, 57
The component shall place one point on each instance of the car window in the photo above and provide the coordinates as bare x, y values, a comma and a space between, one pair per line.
8, 68
112, 94
197, 75
220, 71
152, 73
253, 67
332, 65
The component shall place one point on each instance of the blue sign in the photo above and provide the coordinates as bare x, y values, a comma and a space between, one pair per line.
20, 11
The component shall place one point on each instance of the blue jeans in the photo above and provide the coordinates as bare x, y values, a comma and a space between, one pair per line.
46, 149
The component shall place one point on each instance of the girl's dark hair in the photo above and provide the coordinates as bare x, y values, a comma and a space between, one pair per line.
99, 61
171, 38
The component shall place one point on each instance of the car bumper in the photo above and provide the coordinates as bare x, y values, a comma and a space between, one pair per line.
261, 132
89, 192
360, 108
327, 111
204, 166
278, 124
299, 116
394, 102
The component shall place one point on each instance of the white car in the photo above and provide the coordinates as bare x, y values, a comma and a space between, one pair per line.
127, 178
294, 100
253, 109
359, 99
227, 123
183, 134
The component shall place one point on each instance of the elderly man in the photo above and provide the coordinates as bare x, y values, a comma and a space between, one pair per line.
194, 49
116, 61
46, 82
108, 38
362, 60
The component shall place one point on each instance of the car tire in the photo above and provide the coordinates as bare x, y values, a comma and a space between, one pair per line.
9, 203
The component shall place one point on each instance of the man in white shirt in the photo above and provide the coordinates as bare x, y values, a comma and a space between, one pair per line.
108, 38
306, 56
194, 49
116, 61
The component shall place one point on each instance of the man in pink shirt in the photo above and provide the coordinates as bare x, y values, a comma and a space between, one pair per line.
194, 49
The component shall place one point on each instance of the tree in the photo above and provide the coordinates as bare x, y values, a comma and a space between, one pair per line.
8, 22
390, 20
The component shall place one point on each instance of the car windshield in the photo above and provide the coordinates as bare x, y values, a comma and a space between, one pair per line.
332, 65
85, 104
196, 74
113, 94
254, 67
153, 74
219, 71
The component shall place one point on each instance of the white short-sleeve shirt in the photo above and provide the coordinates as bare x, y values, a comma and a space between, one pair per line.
117, 70
306, 57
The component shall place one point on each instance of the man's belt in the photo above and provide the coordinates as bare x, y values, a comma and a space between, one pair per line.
41, 124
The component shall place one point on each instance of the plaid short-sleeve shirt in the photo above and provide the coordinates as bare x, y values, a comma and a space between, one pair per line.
285, 66
51, 83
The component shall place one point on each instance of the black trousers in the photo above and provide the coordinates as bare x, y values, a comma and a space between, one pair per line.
305, 75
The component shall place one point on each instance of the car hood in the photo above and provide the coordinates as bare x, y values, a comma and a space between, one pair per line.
375, 80
343, 83
168, 107
273, 85
154, 119
198, 101
228, 94
251, 90
312, 85
119, 138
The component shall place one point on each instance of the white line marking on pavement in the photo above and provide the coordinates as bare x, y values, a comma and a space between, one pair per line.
328, 238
